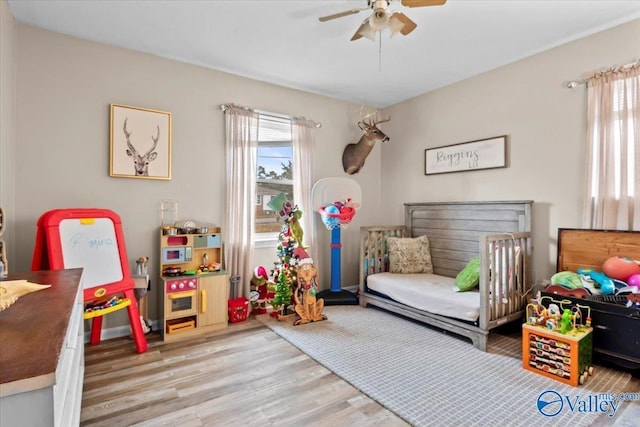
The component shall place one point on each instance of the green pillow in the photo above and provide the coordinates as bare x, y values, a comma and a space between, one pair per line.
469, 277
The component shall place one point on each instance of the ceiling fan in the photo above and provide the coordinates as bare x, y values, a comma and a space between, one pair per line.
381, 18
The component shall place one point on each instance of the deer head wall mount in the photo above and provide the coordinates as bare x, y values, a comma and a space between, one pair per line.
354, 155
141, 162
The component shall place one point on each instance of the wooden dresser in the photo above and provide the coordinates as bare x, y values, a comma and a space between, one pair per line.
42, 352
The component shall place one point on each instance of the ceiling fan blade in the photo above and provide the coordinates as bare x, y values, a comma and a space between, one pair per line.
408, 24
421, 3
339, 15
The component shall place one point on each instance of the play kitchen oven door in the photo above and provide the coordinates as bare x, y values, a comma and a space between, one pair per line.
180, 298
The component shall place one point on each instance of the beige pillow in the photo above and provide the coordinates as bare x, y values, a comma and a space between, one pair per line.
407, 255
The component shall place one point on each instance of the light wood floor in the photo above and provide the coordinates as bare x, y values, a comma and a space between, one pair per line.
244, 375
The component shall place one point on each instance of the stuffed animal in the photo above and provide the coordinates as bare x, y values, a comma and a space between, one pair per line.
261, 290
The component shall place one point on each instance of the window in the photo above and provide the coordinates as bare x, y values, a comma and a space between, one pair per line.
274, 174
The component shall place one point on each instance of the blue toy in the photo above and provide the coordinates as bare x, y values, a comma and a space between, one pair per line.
606, 283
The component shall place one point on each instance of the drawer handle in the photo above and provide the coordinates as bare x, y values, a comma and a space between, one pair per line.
179, 295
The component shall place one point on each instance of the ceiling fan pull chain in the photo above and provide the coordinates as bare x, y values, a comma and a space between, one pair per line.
379, 51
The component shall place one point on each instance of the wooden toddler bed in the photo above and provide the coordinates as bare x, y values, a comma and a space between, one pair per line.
497, 232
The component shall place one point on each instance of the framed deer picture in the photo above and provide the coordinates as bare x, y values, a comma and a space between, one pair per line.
140, 143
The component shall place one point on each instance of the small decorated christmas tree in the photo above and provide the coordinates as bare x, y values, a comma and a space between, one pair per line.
282, 299
289, 239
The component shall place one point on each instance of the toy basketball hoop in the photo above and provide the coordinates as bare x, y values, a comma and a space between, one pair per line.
334, 199
340, 219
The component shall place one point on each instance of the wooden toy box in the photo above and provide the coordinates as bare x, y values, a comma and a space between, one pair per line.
616, 335
562, 357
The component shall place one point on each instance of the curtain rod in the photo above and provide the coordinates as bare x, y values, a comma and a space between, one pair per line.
225, 107
575, 83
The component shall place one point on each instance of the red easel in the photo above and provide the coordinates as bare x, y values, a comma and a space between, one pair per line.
64, 239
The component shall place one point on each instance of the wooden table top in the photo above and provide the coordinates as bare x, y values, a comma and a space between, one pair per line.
33, 330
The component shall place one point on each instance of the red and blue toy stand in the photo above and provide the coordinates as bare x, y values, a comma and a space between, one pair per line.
335, 199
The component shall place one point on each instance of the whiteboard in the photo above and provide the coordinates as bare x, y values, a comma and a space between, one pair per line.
91, 244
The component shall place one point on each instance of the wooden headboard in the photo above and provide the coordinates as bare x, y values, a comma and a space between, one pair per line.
581, 248
454, 228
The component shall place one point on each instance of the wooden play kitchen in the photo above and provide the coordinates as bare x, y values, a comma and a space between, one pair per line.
557, 340
194, 283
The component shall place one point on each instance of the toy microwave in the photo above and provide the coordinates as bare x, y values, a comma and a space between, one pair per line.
176, 254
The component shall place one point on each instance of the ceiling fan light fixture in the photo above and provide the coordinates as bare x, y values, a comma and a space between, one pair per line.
395, 25
365, 30
379, 20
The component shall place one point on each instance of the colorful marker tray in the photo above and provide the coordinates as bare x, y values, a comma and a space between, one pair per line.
101, 312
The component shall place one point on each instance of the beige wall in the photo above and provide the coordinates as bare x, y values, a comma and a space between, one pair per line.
545, 122
65, 86
7, 127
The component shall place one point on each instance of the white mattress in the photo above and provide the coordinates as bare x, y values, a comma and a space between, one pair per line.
428, 292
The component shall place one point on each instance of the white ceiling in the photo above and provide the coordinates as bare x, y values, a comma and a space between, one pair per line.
282, 42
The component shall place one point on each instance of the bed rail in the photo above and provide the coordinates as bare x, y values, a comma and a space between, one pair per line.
504, 281
374, 255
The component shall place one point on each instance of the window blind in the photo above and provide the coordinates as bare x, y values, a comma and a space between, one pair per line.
274, 129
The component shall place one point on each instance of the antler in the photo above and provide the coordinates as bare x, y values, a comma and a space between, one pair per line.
371, 122
128, 134
377, 122
155, 142
364, 116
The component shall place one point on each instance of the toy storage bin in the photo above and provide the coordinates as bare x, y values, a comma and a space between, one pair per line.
238, 309
178, 325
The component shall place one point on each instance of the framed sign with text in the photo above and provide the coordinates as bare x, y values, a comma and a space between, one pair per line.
467, 156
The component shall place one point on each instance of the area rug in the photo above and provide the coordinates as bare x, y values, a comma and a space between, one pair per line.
429, 378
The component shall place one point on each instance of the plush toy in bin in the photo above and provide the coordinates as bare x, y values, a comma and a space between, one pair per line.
616, 274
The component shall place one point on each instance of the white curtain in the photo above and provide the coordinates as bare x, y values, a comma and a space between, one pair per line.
303, 149
613, 150
241, 151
